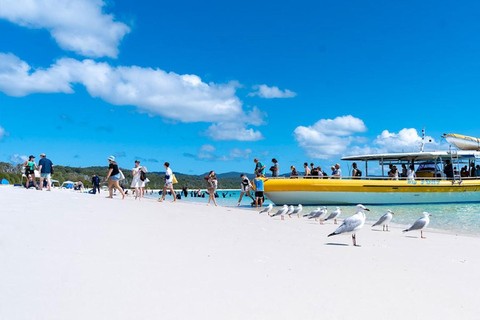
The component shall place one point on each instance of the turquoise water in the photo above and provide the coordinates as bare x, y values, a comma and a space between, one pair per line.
452, 218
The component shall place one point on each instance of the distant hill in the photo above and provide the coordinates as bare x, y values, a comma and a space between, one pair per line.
228, 180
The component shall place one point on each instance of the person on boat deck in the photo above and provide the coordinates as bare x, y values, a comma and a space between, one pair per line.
472, 169
390, 171
356, 173
411, 172
404, 171
307, 169
259, 167
313, 171
274, 168
321, 174
448, 169
464, 172
294, 173
477, 171
336, 172
394, 173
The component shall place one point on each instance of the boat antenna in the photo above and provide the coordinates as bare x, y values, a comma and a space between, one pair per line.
422, 146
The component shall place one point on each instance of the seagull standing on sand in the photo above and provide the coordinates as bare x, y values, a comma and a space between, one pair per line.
267, 209
290, 210
334, 215
420, 224
314, 212
297, 211
352, 224
323, 215
280, 211
384, 220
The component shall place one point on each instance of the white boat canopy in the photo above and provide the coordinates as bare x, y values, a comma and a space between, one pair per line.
416, 156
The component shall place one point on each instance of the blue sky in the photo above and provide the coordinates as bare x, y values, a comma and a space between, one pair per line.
210, 85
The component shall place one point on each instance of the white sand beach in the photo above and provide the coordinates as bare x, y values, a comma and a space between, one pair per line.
66, 255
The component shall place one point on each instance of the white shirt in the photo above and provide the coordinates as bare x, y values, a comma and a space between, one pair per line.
169, 173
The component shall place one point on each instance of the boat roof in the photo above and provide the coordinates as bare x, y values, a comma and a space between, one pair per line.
416, 156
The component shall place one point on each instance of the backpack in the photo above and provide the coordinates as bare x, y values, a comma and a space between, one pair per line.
143, 176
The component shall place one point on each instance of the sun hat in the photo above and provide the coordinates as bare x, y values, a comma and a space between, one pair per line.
111, 158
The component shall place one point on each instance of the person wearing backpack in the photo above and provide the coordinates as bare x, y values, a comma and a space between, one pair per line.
138, 181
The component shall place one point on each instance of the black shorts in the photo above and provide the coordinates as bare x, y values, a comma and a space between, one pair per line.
258, 194
29, 172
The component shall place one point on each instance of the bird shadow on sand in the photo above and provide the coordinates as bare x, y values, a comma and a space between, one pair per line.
378, 230
336, 244
413, 237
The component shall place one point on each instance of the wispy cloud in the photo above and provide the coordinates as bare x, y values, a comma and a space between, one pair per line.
120, 154
207, 153
16, 158
232, 131
80, 26
264, 91
3, 133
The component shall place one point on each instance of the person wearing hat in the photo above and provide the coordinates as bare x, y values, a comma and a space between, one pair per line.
113, 177
45, 168
30, 167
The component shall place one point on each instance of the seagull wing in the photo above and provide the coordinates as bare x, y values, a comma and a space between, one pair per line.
381, 220
419, 224
350, 224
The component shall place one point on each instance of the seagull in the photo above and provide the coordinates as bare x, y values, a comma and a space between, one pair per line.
297, 211
314, 212
290, 211
267, 209
384, 220
323, 215
280, 211
420, 224
334, 215
352, 224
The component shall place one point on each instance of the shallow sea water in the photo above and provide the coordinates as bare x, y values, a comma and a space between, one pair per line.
462, 219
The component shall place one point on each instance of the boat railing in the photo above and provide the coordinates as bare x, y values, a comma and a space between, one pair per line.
372, 178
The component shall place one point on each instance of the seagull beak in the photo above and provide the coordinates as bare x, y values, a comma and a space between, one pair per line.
367, 209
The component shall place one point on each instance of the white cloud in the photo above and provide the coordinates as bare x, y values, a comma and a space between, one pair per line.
329, 137
76, 25
17, 78
264, 91
184, 98
207, 148
232, 131
3, 133
406, 140
16, 158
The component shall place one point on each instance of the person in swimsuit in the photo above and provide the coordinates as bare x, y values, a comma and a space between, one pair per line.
30, 167
245, 188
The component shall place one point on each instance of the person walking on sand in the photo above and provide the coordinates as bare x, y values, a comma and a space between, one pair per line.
245, 188
137, 182
168, 183
113, 177
30, 167
95, 184
212, 184
45, 167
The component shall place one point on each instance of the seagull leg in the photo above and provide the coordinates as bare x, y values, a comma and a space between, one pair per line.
335, 221
421, 235
282, 217
387, 228
354, 238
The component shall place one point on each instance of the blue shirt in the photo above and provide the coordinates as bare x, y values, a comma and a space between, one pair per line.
258, 166
46, 165
258, 184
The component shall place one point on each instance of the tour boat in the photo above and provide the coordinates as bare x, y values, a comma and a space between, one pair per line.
430, 186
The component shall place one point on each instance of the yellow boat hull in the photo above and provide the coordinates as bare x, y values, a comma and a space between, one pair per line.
354, 191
